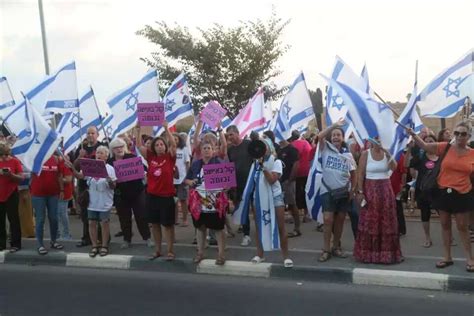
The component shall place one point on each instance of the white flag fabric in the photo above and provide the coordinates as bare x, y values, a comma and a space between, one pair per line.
177, 101
442, 97
57, 92
370, 118
73, 125
296, 110
251, 117
123, 104
6, 98
36, 141
408, 118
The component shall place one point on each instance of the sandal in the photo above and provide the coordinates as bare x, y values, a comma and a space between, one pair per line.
56, 245
470, 267
325, 256
170, 256
198, 258
157, 254
427, 244
288, 263
104, 251
93, 252
14, 249
42, 251
337, 252
220, 261
444, 264
257, 259
293, 234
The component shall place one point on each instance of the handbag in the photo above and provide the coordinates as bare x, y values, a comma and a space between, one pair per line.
339, 193
429, 183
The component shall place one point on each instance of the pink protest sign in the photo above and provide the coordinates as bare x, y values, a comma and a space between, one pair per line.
212, 114
151, 114
219, 176
93, 168
129, 169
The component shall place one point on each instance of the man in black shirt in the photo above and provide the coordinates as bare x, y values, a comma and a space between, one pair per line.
238, 154
288, 154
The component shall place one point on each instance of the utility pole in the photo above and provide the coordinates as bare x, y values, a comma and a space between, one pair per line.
43, 37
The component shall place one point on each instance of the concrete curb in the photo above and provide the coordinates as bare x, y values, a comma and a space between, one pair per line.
362, 276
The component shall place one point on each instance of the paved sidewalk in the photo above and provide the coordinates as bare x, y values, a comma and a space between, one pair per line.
417, 271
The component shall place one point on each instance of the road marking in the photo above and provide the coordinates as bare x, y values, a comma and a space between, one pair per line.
110, 261
418, 280
2, 256
236, 268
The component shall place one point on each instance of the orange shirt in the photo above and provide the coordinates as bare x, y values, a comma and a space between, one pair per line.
456, 169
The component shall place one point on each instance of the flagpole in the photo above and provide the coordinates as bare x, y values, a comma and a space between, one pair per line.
80, 125
100, 116
43, 37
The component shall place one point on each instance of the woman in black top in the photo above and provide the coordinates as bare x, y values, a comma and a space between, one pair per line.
129, 197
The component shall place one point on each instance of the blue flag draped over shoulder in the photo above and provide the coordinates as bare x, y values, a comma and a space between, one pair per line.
313, 185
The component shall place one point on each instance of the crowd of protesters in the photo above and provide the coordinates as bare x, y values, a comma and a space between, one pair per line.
365, 182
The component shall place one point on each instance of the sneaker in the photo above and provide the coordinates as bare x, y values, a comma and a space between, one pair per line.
245, 241
125, 245
150, 243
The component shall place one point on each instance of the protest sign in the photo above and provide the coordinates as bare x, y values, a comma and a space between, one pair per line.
93, 168
129, 169
219, 176
151, 114
212, 114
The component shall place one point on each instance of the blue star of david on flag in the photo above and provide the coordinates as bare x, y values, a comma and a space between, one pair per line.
287, 110
132, 101
450, 92
109, 131
266, 217
169, 105
382, 107
75, 120
336, 103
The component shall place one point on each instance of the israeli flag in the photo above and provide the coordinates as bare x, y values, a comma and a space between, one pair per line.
73, 125
312, 189
108, 125
442, 97
36, 140
370, 118
336, 108
6, 98
57, 92
408, 118
177, 101
123, 104
295, 111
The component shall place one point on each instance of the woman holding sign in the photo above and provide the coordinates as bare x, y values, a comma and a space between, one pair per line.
208, 207
129, 197
101, 195
161, 159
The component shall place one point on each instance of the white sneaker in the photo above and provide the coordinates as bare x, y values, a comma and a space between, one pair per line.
245, 241
150, 243
125, 245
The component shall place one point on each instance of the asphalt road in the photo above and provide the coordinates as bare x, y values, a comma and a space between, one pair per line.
46, 290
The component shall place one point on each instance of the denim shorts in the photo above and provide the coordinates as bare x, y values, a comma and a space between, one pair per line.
98, 216
332, 206
278, 201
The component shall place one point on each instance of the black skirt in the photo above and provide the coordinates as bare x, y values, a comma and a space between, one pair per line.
210, 220
451, 201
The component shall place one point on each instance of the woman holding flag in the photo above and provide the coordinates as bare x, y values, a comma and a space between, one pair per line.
338, 186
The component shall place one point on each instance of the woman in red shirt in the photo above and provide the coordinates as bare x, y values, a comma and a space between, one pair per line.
161, 159
46, 189
10, 177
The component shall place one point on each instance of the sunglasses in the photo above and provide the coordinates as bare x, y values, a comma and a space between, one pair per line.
463, 134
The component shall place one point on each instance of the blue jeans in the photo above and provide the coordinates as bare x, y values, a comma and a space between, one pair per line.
63, 219
40, 203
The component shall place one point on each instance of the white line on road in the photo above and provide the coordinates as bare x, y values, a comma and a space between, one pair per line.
111, 261
418, 280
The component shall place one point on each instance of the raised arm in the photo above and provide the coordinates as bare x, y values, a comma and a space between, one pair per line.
325, 132
171, 141
223, 141
430, 148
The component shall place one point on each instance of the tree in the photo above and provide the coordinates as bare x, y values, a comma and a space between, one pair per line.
223, 64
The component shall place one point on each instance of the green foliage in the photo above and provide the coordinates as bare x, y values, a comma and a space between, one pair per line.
223, 64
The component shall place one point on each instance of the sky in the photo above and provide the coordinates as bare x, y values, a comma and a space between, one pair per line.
389, 36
